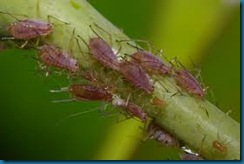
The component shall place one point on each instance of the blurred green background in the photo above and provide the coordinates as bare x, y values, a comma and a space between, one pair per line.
206, 32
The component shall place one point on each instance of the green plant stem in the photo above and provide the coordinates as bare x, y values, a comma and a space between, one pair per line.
198, 123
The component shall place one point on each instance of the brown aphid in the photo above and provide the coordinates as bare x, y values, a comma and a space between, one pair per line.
89, 92
29, 29
154, 131
131, 108
103, 53
151, 63
187, 156
219, 147
136, 76
54, 56
188, 82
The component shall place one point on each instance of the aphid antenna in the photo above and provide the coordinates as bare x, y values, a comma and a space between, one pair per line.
75, 115
137, 40
13, 15
109, 35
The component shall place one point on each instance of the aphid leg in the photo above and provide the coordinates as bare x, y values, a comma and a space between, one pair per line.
80, 49
179, 92
70, 49
24, 44
109, 35
83, 42
49, 17
128, 98
119, 50
65, 100
137, 40
159, 81
64, 89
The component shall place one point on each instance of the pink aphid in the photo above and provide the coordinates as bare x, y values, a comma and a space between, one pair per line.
134, 74
154, 131
89, 92
151, 63
54, 56
130, 108
103, 53
29, 29
188, 82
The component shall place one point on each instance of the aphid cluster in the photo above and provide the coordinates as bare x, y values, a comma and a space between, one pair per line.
136, 70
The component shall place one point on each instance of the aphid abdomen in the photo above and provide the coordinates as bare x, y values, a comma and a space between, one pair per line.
151, 63
135, 75
53, 56
29, 29
89, 92
136, 111
188, 82
103, 53
130, 108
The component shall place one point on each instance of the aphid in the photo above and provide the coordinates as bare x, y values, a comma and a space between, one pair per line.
185, 79
130, 108
54, 56
151, 63
134, 74
154, 131
89, 92
28, 28
103, 53
187, 156
219, 147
